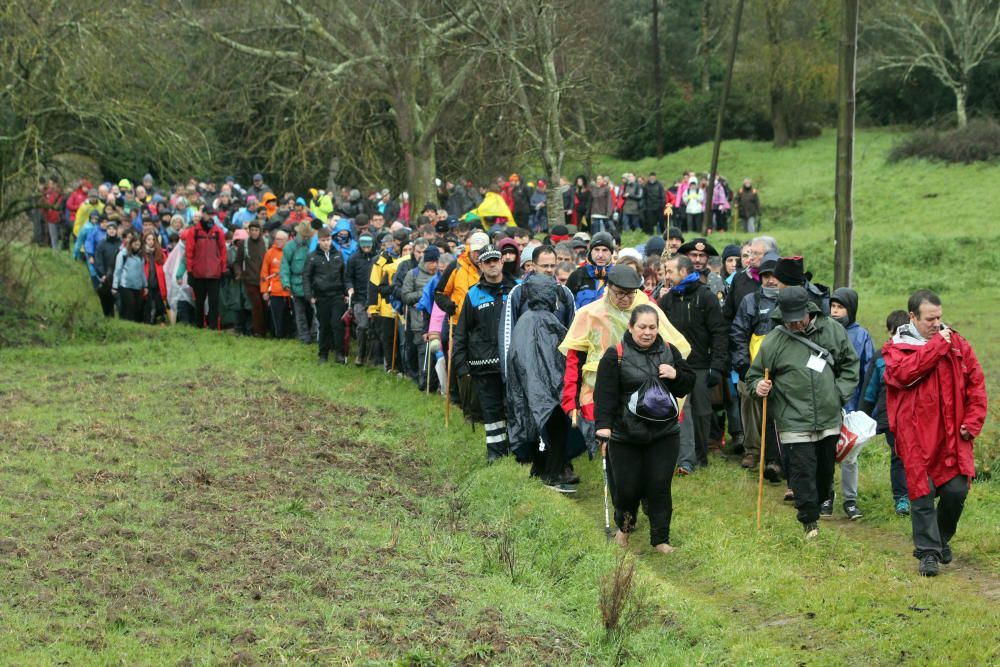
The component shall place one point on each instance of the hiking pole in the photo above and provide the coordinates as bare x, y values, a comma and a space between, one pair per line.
604, 469
447, 383
763, 446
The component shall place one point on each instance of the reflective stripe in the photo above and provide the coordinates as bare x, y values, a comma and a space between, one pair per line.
495, 425
490, 439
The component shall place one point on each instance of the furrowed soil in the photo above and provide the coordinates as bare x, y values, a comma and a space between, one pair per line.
189, 515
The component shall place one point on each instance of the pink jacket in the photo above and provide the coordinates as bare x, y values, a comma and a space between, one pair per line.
437, 320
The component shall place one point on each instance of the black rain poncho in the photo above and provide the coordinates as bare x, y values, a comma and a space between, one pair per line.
535, 366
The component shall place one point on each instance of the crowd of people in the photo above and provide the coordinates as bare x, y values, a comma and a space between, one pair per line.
559, 339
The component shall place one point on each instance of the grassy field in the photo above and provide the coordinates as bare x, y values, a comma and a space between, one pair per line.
182, 497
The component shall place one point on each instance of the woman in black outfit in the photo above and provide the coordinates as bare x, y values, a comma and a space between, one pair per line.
642, 451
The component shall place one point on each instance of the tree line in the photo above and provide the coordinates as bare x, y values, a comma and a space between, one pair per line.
395, 93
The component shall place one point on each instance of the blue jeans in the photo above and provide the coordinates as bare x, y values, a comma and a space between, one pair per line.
897, 475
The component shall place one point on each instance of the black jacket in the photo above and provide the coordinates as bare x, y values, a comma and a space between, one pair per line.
743, 284
697, 315
655, 197
359, 272
324, 274
618, 379
477, 350
105, 256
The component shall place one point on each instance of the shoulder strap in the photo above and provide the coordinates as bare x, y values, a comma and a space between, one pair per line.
618, 349
818, 349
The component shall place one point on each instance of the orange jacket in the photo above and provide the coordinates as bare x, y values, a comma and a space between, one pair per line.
270, 273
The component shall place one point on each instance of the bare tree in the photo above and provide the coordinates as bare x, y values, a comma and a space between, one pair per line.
948, 38
401, 51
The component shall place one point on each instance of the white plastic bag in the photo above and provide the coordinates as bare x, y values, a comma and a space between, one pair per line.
856, 429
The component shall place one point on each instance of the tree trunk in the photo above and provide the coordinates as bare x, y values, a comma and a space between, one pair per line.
960, 97
843, 254
706, 48
779, 122
657, 80
710, 189
331, 174
421, 166
776, 86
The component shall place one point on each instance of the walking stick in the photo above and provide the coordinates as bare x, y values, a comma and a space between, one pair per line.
447, 380
763, 446
604, 468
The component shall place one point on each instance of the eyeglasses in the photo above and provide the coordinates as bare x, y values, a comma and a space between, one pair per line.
746, 254
622, 293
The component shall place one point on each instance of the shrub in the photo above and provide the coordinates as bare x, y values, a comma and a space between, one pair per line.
979, 141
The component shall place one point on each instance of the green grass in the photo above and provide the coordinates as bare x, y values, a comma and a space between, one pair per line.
182, 497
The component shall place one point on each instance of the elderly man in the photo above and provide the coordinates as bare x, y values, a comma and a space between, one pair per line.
813, 373
936, 401
748, 280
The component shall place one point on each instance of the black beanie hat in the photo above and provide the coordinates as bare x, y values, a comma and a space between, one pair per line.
789, 271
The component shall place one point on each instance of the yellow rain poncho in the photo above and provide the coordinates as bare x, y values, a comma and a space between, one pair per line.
494, 206
596, 327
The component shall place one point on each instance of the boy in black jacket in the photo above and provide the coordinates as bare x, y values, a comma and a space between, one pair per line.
324, 287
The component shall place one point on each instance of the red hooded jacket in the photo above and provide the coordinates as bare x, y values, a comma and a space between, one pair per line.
931, 391
205, 252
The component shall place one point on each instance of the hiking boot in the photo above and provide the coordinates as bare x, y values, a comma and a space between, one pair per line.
772, 472
929, 565
358, 361
852, 510
561, 488
750, 460
812, 530
341, 359
323, 359
682, 471
946, 554
734, 446
789, 496
569, 476
903, 507
826, 510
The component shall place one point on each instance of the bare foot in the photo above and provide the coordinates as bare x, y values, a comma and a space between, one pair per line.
621, 539
664, 548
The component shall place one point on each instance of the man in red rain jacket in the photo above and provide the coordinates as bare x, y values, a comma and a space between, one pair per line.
936, 400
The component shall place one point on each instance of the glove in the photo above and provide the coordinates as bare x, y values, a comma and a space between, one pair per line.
714, 377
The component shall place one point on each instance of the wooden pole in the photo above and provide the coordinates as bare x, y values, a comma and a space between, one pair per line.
710, 189
763, 446
843, 252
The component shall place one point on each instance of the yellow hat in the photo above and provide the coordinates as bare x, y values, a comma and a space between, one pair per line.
125, 184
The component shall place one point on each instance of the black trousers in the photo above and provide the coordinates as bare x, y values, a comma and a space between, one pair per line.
644, 472
107, 298
131, 304
810, 474
205, 289
494, 414
550, 464
329, 311
280, 307
933, 527
389, 337
651, 220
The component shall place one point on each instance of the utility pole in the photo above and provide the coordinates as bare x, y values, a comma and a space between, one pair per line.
843, 253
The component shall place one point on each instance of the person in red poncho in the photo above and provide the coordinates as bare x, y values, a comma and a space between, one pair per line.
936, 403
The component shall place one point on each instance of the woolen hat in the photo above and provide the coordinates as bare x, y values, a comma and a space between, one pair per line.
675, 233
794, 303
731, 250
655, 246
624, 277
603, 239
432, 254
790, 271
366, 240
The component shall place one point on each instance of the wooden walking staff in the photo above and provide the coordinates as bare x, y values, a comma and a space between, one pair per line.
763, 445
447, 380
395, 334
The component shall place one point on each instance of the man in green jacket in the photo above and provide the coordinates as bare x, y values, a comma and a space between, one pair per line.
813, 373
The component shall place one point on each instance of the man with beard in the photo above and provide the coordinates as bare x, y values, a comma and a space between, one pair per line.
588, 282
249, 258
694, 310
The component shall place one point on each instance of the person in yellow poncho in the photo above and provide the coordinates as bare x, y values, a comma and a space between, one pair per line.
596, 327
493, 206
